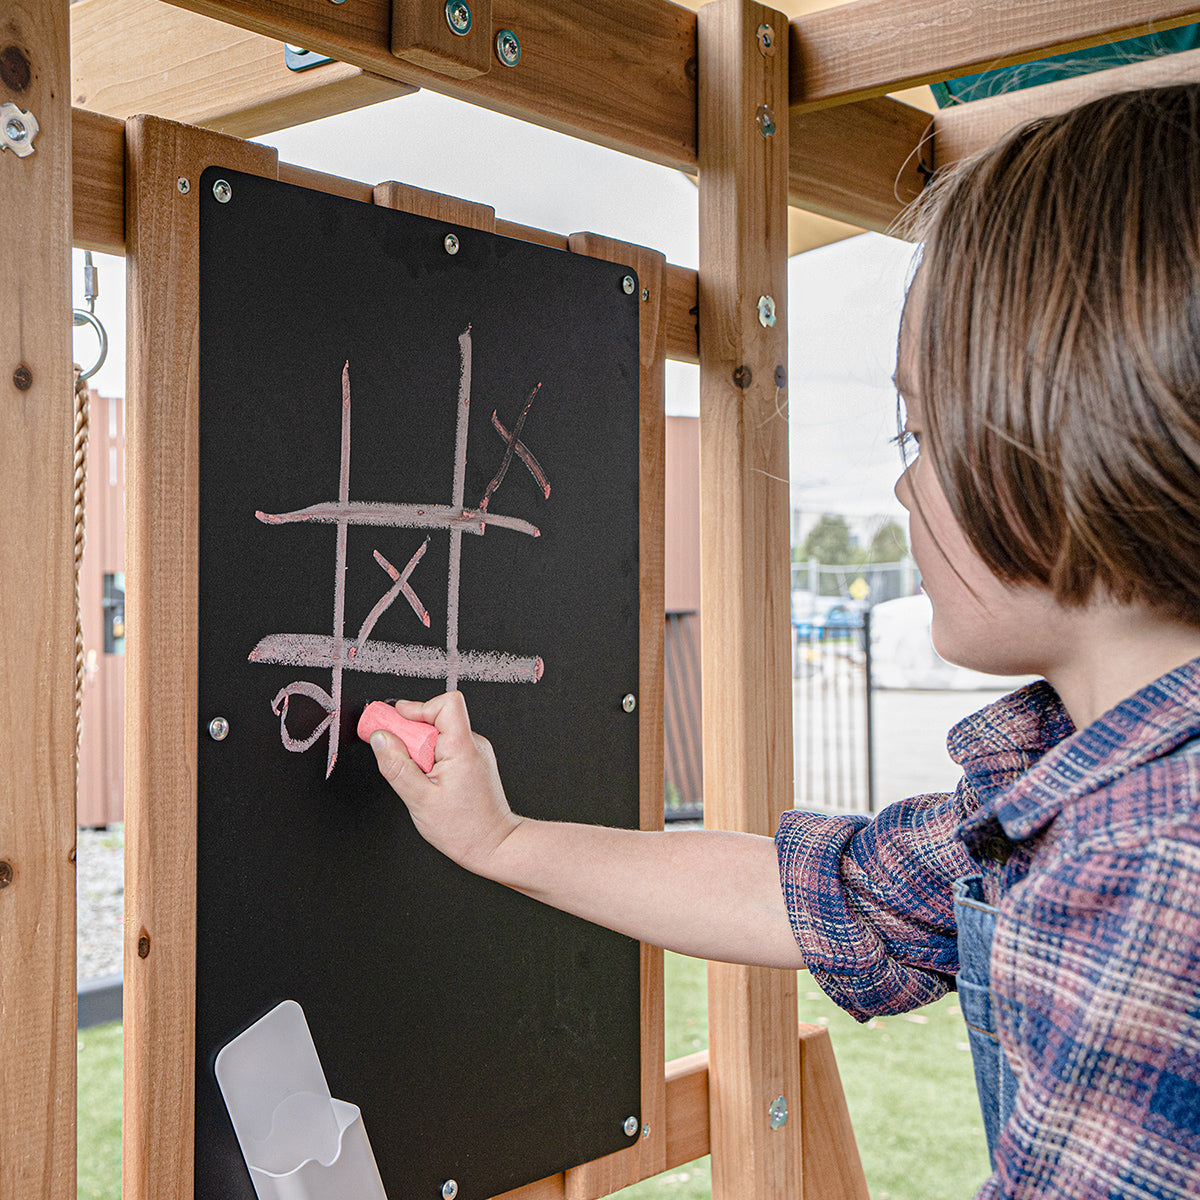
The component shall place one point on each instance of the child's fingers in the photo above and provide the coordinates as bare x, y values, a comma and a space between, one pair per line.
396, 765
448, 714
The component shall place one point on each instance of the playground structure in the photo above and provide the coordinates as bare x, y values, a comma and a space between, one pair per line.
768, 112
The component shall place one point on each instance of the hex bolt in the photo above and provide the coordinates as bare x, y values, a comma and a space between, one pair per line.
631, 1126
218, 729
508, 48
222, 191
629, 703
449, 1189
628, 284
184, 185
766, 311
458, 17
451, 243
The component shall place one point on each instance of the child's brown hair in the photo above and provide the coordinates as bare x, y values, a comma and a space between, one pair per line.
1057, 350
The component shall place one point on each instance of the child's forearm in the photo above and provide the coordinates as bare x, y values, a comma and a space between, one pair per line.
707, 893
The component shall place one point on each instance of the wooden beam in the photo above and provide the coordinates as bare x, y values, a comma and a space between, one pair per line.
37, 640
964, 129
98, 181
617, 72
162, 602
745, 586
872, 47
134, 56
858, 163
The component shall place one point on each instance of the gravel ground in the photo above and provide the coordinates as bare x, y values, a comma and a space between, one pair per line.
100, 900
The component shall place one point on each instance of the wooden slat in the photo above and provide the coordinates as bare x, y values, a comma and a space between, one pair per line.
98, 187
871, 47
967, 128
136, 56
871, 186
421, 34
647, 1155
744, 565
162, 507
424, 203
37, 751
682, 316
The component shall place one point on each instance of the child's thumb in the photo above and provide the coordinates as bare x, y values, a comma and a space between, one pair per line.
391, 756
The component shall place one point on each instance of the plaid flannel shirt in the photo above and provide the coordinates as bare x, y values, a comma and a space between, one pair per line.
1089, 843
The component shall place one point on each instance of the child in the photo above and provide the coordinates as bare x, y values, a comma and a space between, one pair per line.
1049, 366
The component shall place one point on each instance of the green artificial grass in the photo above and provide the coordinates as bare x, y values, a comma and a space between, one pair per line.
907, 1080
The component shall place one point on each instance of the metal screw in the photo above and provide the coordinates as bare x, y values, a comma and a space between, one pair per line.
766, 311
508, 48
645, 294
22, 378
628, 284
629, 703
222, 191
458, 16
778, 1113
144, 945
645, 1131
631, 1126
184, 185
742, 376
449, 1189
6, 873
766, 40
218, 729
780, 377
451, 243
766, 121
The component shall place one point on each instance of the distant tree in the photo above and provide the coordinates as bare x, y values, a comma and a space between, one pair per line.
829, 542
889, 544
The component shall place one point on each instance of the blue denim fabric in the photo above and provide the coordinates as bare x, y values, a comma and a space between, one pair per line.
994, 1079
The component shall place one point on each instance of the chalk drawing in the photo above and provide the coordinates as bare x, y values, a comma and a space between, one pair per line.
361, 653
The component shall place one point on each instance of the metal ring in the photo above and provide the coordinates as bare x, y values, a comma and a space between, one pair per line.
81, 316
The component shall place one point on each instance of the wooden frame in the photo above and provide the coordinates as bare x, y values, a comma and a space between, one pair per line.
643, 76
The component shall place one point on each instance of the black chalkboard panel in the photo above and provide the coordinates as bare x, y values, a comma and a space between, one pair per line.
415, 466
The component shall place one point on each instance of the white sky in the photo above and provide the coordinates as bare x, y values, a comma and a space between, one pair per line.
844, 298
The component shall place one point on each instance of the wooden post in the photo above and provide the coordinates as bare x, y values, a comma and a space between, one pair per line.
743, 158
162, 577
37, 634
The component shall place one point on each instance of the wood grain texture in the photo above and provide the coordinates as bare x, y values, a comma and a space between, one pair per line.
647, 1155
98, 181
965, 129
138, 56
421, 35
832, 1167
857, 162
37, 751
744, 565
162, 577
449, 209
871, 47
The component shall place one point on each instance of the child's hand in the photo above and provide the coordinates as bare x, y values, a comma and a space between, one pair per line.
459, 807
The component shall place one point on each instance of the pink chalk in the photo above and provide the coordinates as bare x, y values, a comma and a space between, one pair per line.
419, 737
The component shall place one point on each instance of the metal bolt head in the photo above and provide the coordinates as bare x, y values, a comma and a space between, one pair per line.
22, 378
449, 1189
766, 40
645, 294
508, 48
458, 16
15, 129
218, 729
222, 191
632, 1124
184, 185
450, 241
766, 121
628, 284
778, 1113
629, 703
766, 311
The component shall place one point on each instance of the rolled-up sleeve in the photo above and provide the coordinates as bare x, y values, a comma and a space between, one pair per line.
870, 900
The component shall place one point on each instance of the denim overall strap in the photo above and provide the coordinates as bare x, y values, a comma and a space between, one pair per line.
994, 1080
